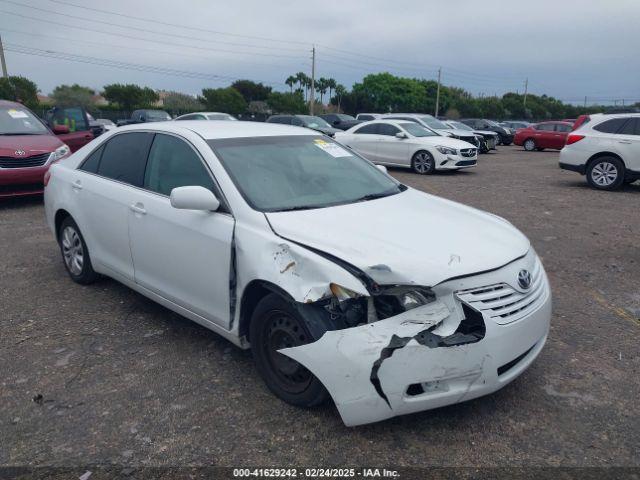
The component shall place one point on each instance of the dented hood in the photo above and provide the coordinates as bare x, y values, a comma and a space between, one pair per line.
410, 237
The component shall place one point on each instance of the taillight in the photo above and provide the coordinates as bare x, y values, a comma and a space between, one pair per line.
571, 139
47, 176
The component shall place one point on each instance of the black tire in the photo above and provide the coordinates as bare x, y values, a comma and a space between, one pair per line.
506, 144
529, 145
423, 163
629, 181
75, 254
276, 324
606, 173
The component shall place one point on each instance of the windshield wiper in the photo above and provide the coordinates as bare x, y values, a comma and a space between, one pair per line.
298, 207
373, 196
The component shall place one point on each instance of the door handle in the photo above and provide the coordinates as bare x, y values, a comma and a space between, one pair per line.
138, 208
77, 185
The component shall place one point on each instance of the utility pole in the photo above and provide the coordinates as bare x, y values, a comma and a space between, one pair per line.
526, 88
585, 101
438, 92
313, 80
2, 60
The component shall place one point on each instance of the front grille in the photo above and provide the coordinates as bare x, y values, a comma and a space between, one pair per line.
21, 187
468, 152
502, 303
24, 162
465, 163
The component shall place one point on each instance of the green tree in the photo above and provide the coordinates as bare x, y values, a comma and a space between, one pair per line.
292, 103
181, 102
130, 96
227, 100
331, 85
19, 89
341, 91
290, 81
251, 91
322, 86
387, 93
73, 95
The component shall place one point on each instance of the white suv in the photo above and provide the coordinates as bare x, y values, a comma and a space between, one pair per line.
606, 150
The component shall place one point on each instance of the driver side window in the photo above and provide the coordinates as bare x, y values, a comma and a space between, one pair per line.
173, 163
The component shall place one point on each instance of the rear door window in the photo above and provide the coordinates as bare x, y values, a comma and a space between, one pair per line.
562, 128
545, 127
125, 156
631, 127
371, 129
611, 126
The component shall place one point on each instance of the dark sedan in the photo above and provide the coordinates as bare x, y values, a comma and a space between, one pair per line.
505, 134
309, 121
340, 120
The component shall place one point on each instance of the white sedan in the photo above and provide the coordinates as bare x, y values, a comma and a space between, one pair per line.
402, 143
342, 281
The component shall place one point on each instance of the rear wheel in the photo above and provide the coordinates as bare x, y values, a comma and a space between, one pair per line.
75, 253
275, 325
423, 163
529, 144
605, 173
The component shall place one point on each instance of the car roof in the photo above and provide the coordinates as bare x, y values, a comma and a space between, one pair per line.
597, 116
216, 130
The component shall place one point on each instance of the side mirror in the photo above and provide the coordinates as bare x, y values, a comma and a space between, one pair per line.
194, 198
382, 168
60, 129
401, 135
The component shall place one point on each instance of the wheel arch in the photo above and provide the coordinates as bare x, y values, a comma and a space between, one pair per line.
60, 216
255, 291
598, 155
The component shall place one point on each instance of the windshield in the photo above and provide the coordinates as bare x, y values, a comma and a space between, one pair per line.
157, 115
418, 130
434, 123
299, 172
313, 122
492, 123
461, 126
20, 121
104, 121
344, 117
220, 116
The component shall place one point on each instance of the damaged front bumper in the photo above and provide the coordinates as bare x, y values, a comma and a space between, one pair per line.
434, 355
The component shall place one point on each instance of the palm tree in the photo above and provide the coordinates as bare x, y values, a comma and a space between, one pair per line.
331, 84
340, 91
322, 87
302, 79
291, 80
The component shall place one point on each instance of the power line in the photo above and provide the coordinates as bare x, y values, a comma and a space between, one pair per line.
146, 30
116, 64
133, 37
176, 25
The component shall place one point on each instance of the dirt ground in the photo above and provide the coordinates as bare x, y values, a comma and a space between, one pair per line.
101, 375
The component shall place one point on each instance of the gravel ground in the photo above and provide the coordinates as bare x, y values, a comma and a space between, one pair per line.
101, 375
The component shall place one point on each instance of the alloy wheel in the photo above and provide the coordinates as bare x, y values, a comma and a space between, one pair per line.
72, 250
604, 174
422, 162
529, 145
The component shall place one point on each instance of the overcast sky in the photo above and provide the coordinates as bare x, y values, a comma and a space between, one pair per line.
565, 48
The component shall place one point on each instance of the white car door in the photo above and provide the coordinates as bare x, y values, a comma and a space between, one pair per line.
182, 255
104, 187
364, 140
627, 143
391, 149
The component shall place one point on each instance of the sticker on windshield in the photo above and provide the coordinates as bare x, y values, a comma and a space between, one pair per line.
17, 114
332, 149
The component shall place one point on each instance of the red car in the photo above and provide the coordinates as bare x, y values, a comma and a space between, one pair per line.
539, 136
27, 149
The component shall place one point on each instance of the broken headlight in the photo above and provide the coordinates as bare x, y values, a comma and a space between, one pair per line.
401, 298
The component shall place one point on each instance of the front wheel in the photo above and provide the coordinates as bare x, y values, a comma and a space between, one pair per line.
605, 173
275, 324
529, 144
423, 163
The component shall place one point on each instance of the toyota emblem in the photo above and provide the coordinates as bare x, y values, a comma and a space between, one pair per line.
20, 153
524, 279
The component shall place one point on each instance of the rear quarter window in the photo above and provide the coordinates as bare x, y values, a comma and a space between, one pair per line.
610, 126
